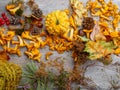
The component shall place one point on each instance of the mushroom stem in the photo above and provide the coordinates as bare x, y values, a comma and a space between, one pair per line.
13, 11
87, 33
8, 44
71, 33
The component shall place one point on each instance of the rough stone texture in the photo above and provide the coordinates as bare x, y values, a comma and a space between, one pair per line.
99, 73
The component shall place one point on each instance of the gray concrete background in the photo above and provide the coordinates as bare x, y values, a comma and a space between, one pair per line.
99, 73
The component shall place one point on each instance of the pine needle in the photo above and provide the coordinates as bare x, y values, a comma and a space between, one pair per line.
29, 74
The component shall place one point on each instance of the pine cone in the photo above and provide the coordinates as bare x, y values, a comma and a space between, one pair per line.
88, 23
14, 20
78, 46
37, 13
36, 30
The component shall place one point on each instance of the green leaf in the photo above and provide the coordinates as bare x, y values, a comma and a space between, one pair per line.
83, 38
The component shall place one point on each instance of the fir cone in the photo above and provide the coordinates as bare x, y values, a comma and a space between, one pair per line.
88, 23
14, 20
36, 30
31, 2
78, 46
37, 13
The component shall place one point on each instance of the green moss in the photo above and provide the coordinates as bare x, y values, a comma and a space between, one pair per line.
10, 75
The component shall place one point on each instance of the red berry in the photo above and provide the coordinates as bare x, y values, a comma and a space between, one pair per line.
40, 19
40, 25
6, 20
7, 23
0, 24
3, 23
1, 19
3, 14
4, 17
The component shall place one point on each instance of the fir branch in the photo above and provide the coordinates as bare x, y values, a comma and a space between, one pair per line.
62, 80
40, 80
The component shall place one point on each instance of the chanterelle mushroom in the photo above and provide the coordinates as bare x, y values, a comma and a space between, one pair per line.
13, 10
14, 50
21, 42
34, 54
26, 35
9, 36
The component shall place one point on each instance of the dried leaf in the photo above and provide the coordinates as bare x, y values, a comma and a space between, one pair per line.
99, 49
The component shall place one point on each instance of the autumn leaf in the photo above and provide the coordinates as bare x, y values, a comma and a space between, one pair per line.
99, 49
4, 55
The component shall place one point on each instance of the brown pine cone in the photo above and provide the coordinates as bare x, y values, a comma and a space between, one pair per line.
88, 23
14, 20
35, 30
31, 2
78, 46
37, 13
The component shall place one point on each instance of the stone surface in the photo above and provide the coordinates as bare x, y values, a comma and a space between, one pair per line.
100, 74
